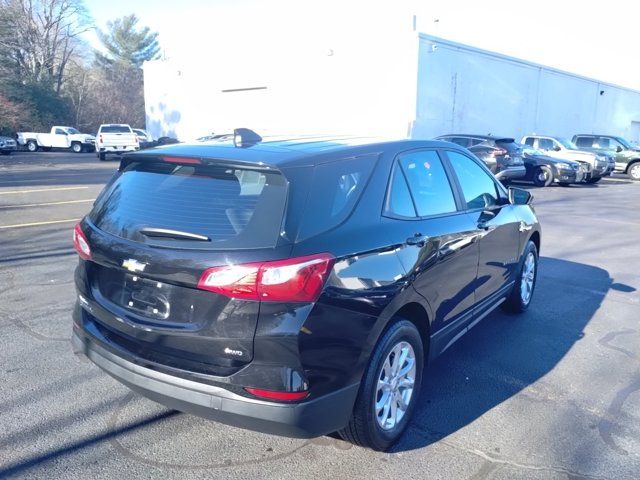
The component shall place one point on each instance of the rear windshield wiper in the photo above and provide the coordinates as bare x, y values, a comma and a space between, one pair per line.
178, 235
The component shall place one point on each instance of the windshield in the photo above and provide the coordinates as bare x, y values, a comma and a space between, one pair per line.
569, 145
72, 131
624, 143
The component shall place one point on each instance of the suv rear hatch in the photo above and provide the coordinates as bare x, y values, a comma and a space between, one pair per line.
153, 231
512, 152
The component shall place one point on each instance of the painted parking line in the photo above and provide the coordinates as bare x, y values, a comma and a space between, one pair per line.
34, 190
25, 205
37, 224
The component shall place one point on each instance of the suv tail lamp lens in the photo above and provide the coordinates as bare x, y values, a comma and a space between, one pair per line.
80, 243
298, 279
277, 395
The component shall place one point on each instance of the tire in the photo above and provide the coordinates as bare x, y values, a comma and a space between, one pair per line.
76, 147
364, 427
543, 176
32, 146
520, 297
102, 156
634, 171
594, 180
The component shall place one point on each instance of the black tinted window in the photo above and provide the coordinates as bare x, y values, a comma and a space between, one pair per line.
115, 129
478, 187
428, 183
545, 144
400, 202
233, 207
529, 141
335, 190
584, 142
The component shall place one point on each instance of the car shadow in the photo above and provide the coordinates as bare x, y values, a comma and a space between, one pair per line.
504, 354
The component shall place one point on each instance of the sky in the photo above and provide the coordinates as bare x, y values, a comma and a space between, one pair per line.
599, 42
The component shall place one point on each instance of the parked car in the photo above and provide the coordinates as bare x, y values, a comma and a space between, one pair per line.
597, 164
543, 170
7, 145
627, 156
59, 137
296, 287
501, 155
115, 138
144, 139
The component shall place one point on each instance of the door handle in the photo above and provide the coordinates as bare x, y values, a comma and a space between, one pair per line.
418, 239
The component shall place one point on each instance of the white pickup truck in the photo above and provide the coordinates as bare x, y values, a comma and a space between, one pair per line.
59, 137
115, 138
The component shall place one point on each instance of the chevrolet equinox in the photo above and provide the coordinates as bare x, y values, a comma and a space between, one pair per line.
296, 287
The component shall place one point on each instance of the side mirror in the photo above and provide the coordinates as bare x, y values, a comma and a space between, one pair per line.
518, 196
557, 148
619, 149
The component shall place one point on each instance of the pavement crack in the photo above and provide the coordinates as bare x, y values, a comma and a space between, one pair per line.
607, 425
604, 341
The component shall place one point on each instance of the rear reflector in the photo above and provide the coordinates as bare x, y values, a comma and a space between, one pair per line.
298, 279
80, 243
277, 395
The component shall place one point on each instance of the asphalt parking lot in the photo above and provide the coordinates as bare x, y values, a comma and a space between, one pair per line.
553, 394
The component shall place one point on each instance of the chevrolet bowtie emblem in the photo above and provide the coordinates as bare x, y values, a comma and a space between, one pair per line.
133, 265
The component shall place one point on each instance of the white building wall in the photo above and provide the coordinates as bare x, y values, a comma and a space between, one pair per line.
462, 89
390, 85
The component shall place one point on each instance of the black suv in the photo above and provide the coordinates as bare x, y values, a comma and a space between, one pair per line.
501, 155
296, 287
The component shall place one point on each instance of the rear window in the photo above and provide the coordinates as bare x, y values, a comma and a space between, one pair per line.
115, 129
335, 190
230, 207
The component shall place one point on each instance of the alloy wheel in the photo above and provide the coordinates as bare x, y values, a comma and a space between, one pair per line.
528, 278
634, 171
395, 385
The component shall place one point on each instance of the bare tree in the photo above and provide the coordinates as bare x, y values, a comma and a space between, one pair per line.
38, 37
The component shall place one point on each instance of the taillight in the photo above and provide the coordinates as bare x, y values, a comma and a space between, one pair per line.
80, 243
277, 395
498, 152
100, 138
298, 279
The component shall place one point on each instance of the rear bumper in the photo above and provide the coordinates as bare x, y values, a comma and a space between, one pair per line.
117, 149
300, 420
511, 172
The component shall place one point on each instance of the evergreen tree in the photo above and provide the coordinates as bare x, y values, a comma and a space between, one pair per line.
125, 44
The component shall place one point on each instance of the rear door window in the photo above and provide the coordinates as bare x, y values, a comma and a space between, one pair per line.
399, 201
428, 183
335, 190
529, 141
230, 207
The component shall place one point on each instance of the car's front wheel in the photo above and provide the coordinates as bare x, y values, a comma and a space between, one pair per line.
543, 177
594, 180
389, 389
522, 293
634, 171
